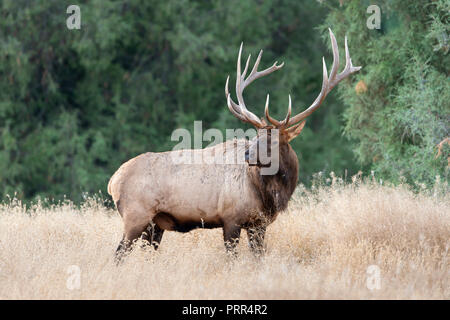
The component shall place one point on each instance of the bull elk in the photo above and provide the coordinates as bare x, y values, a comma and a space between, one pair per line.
154, 193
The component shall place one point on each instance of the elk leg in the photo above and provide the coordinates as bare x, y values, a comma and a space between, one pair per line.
153, 235
256, 239
231, 234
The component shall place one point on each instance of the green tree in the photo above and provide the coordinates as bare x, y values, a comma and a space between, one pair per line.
75, 104
402, 111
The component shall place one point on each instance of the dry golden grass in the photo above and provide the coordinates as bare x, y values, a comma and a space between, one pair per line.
320, 248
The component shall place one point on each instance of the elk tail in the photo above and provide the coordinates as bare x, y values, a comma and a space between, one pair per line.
109, 184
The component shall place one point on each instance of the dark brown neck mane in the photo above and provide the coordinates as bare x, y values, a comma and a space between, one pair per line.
276, 190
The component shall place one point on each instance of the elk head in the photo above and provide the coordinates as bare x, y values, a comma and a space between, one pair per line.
279, 133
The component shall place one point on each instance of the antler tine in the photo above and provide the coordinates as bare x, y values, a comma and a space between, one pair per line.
348, 69
236, 109
276, 123
317, 102
255, 66
334, 46
246, 66
243, 117
233, 111
239, 109
231, 103
266, 111
255, 74
288, 115
238, 67
240, 86
328, 84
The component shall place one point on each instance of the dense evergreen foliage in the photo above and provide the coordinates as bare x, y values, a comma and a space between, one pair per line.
401, 117
75, 104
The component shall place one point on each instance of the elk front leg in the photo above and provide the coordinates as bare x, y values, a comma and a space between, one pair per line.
256, 239
231, 234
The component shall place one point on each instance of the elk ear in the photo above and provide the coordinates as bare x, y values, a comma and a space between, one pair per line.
295, 130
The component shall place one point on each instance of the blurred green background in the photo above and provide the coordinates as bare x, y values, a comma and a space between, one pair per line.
75, 104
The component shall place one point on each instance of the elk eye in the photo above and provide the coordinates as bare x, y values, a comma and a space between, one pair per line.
283, 175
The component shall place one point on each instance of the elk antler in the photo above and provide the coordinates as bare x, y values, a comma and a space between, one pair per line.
239, 110
328, 83
275, 122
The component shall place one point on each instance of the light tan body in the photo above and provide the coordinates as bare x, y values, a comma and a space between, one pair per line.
153, 183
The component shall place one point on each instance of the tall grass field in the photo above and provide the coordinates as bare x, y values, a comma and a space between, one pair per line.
355, 241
